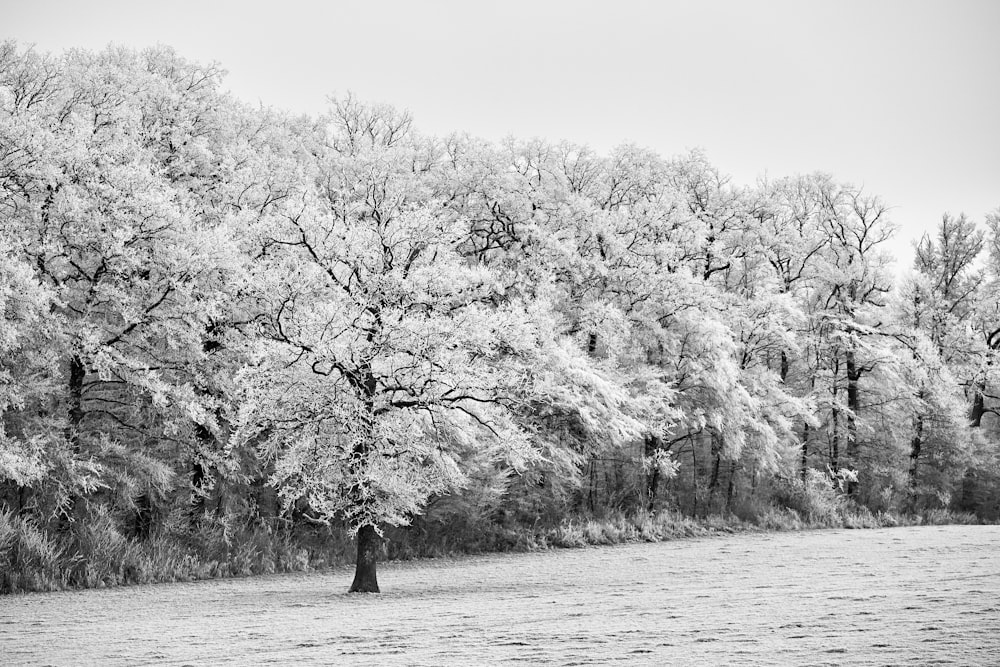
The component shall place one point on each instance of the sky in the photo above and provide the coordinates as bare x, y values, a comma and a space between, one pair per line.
901, 97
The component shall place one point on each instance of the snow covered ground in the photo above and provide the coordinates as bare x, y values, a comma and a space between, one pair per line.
926, 595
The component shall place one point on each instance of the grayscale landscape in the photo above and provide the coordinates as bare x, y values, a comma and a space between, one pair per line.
552, 331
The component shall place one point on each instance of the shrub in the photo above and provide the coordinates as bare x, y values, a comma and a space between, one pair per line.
30, 558
814, 499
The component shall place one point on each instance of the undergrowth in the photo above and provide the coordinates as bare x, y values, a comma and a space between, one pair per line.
96, 555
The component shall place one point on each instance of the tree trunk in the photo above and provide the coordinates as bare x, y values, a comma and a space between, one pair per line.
978, 400
197, 493
142, 525
206, 442
77, 374
694, 478
804, 467
835, 441
652, 444
978, 406
75, 510
806, 430
713, 483
835, 420
853, 375
915, 445
365, 578
731, 489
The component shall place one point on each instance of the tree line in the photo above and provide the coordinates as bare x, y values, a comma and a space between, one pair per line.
220, 312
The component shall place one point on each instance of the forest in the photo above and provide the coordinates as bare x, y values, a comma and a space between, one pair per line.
238, 340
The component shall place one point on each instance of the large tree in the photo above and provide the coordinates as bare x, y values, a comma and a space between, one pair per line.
386, 355
103, 151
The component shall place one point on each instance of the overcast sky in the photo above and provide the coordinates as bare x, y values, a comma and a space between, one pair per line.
902, 97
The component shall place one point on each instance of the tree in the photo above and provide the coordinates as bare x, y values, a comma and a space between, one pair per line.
104, 205
846, 306
26, 380
986, 314
385, 354
940, 305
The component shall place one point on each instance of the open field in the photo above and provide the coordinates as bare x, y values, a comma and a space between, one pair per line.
922, 595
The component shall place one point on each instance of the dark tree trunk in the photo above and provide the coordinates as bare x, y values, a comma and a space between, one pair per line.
694, 477
835, 441
197, 480
731, 488
806, 430
266, 495
652, 444
206, 442
143, 517
915, 445
835, 420
853, 375
784, 367
365, 578
804, 466
75, 509
713, 482
77, 374
978, 406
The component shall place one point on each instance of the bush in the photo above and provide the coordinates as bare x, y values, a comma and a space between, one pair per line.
814, 500
30, 558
